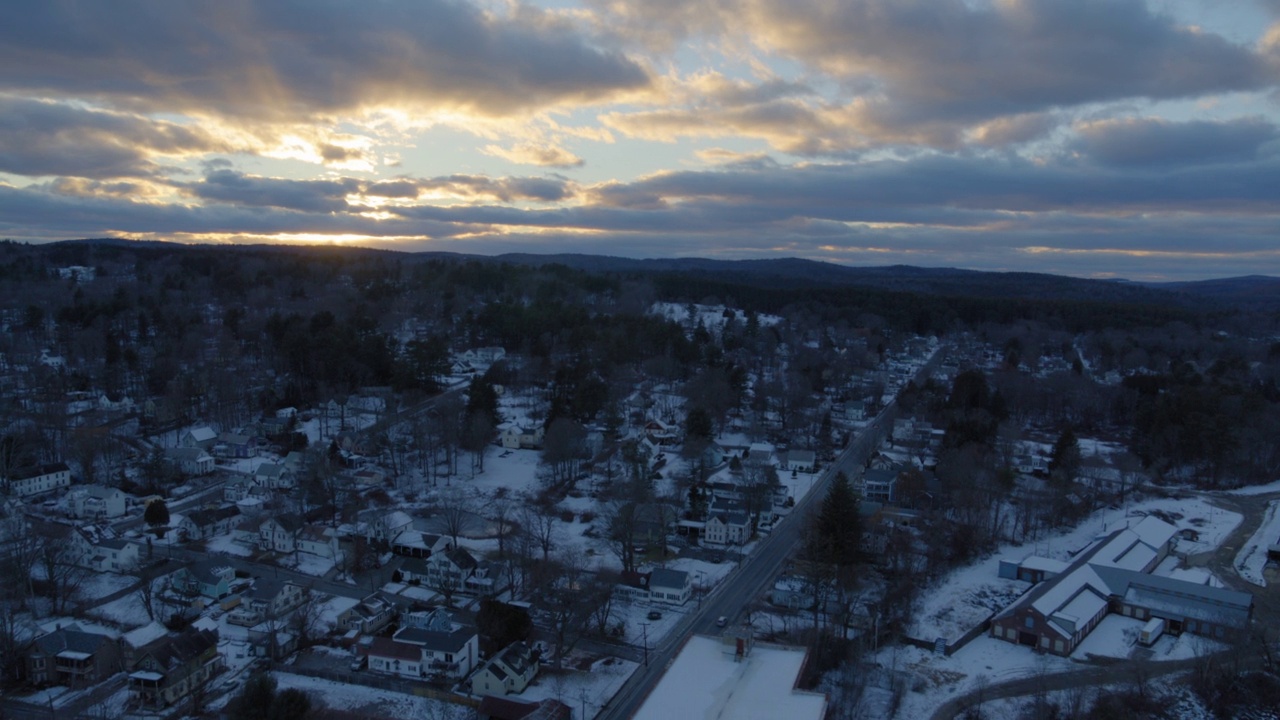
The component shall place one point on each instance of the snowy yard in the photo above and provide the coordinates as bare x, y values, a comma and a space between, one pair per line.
591, 683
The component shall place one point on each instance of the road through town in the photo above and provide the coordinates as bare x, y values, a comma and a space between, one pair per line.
756, 570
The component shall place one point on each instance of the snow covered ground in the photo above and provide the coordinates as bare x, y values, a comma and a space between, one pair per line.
1252, 558
374, 702
590, 685
961, 600
968, 595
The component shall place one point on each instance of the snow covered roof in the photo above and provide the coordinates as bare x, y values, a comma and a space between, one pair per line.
704, 681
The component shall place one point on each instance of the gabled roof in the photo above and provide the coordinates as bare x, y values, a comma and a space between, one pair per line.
452, 641
666, 578
461, 558
203, 433
184, 647
70, 639
388, 648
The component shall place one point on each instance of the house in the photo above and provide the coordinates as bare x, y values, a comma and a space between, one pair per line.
1113, 576
493, 707
280, 533
318, 540
855, 411
673, 587
204, 579
801, 461
450, 569
516, 436
483, 356
395, 658
36, 479
270, 597
509, 671
380, 525
190, 460
239, 487
207, 524
274, 476
727, 528
120, 555
633, 586
98, 502
449, 649
418, 544
172, 670
72, 657
368, 616
234, 445
202, 437
759, 455
880, 485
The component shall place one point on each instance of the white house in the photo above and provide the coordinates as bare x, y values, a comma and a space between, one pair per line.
515, 436
384, 525
38, 479
724, 528
801, 460
98, 501
318, 540
510, 671
202, 437
449, 649
274, 476
674, 587
191, 460
280, 533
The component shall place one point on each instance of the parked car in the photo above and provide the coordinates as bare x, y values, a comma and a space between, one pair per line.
655, 615
722, 621
359, 662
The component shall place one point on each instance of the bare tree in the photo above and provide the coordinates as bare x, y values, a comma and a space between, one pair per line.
568, 607
539, 523
455, 511
620, 527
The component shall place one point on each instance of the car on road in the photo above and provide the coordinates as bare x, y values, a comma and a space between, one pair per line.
655, 615
722, 621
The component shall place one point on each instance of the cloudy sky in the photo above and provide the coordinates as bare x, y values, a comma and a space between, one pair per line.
1107, 138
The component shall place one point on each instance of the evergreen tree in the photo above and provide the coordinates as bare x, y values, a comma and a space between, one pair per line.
1064, 462
838, 531
157, 513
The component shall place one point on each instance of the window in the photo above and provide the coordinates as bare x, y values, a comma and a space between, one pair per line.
1029, 623
1058, 646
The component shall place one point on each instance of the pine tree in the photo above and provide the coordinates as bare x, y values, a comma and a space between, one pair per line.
839, 526
157, 513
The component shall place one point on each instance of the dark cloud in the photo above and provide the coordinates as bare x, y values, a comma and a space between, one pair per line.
1153, 141
300, 58
331, 196
229, 186
923, 70
47, 138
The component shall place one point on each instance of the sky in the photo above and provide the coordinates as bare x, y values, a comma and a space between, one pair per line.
1131, 139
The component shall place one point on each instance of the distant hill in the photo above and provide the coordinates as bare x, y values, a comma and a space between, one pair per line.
951, 282
1253, 292
1256, 292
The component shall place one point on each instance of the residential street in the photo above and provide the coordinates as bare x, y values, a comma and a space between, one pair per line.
757, 570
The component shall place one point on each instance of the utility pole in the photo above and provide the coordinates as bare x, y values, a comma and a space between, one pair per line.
644, 628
